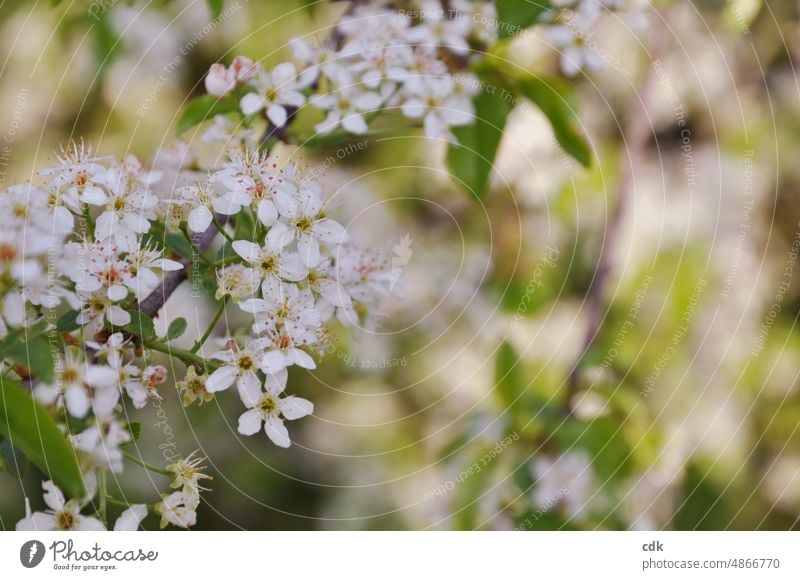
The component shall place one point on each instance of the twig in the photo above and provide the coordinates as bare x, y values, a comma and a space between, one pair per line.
636, 136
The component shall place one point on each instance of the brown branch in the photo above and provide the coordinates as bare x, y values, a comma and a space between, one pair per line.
156, 299
636, 136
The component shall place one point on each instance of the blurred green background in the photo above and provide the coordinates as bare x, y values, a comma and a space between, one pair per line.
448, 411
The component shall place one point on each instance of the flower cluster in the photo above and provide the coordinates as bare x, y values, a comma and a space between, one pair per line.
379, 60
89, 245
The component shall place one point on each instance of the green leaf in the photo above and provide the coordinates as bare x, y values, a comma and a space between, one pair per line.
34, 354
26, 424
67, 322
141, 325
135, 429
557, 100
514, 16
507, 375
176, 328
472, 158
203, 108
179, 244
216, 7
12, 460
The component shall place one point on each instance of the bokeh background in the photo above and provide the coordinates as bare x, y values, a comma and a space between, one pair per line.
470, 400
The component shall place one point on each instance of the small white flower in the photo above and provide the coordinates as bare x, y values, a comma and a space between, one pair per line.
441, 107
346, 107
271, 261
270, 409
129, 520
240, 366
275, 91
188, 473
63, 515
101, 442
236, 281
179, 509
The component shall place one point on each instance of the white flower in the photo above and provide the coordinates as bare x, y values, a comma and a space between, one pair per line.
437, 28
236, 281
287, 307
570, 32
284, 348
140, 390
96, 307
76, 175
111, 351
268, 407
188, 473
219, 80
441, 106
77, 384
101, 442
204, 201
275, 90
63, 515
271, 261
252, 178
239, 365
179, 509
129, 520
304, 219
141, 260
346, 107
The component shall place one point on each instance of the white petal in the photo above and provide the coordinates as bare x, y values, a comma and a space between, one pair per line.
77, 401
251, 103
249, 422
53, 497
273, 362
355, 123
277, 432
277, 114
129, 520
200, 218
247, 250
267, 212
87, 524
276, 382
301, 359
221, 379
330, 232
249, 389
295, 407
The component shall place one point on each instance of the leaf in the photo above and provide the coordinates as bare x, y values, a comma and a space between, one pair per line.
141, 325
203, 108
12, 460
472, 158
514, 16
67, 322
179, 244
215, 6
135, 429
507, 375
34, 354
176, 328
26, 424
557, 100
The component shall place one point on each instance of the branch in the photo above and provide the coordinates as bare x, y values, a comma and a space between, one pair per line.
156, 299
636, 136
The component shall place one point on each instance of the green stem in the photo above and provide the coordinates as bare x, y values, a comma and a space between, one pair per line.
152, 468
188, 357
221, 229
211, 326
101, 510
234, 259
87, 216
195, 249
